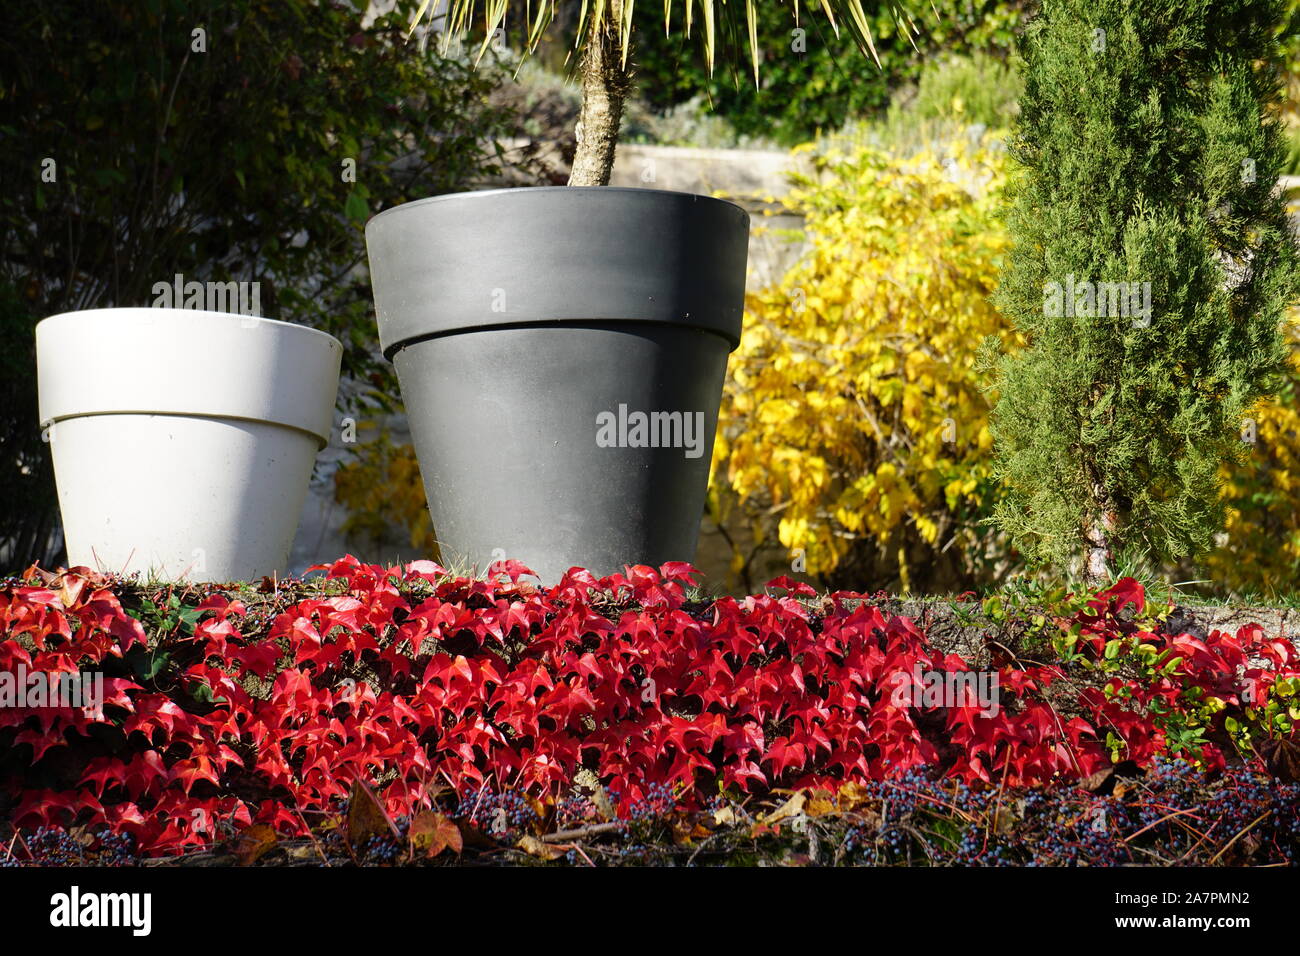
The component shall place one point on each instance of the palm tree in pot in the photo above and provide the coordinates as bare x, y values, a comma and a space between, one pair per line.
561, 351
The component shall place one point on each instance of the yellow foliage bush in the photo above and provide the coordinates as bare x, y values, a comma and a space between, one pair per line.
382, 490
1259, 552
853, 428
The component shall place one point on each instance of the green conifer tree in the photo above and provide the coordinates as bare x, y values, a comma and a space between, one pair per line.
1151, 267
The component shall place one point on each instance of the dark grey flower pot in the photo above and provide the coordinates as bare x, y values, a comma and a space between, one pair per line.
520, 321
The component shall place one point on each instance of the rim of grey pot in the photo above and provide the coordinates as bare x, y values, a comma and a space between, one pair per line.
557, 254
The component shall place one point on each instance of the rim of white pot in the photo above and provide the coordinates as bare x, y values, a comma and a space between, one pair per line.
156, 361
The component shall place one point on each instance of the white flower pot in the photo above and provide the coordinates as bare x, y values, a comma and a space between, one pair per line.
183, 440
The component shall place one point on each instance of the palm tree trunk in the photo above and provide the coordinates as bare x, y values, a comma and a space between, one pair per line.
605, 84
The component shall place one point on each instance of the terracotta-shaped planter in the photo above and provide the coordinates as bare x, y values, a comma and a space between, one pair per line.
561, 354
183, 440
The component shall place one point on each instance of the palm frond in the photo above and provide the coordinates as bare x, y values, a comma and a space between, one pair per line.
460, 15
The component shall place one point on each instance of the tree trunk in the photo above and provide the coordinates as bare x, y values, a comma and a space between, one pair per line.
1098, 533
1096, 562
605, 83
